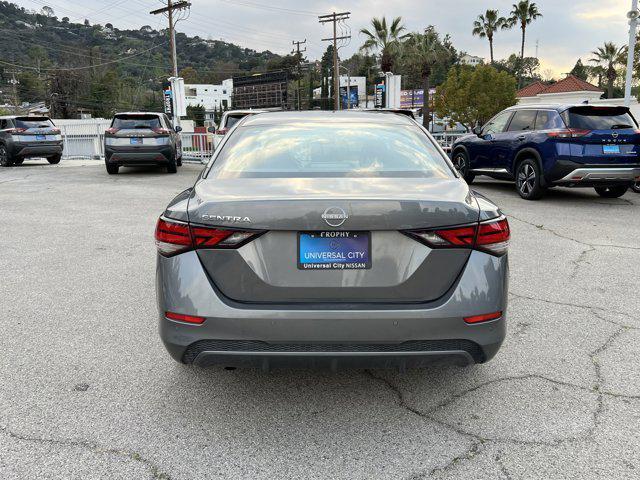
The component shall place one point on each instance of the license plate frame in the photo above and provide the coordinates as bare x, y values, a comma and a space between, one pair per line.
611, 149
347, 250
135, 140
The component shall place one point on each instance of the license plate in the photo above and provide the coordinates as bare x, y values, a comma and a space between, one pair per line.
136, 141
334, 250
611, 149
41, 137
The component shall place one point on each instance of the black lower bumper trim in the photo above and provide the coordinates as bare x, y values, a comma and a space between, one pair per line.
251, 353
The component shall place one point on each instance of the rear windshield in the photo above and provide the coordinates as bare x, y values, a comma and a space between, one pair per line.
598, 118
125, 122
329, 150
33, 122
233, 119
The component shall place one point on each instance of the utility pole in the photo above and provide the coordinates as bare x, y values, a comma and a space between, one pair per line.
169, 10
633, 23
14, 82
335, 18
298, 53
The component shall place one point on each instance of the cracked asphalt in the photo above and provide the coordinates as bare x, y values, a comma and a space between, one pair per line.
88, 392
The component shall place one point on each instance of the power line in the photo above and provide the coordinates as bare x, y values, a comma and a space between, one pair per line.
169, 10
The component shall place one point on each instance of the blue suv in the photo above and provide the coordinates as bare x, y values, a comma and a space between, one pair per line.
541, 146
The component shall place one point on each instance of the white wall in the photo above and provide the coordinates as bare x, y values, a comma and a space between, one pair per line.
208, 95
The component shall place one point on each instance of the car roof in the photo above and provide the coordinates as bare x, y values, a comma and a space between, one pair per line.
326, 116
11, 117
559, 107
139, 113
248, 112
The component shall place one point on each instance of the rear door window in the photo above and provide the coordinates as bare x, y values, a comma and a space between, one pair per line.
522, 120
598, 118
132, 122
497, 123
33, 122
548, 120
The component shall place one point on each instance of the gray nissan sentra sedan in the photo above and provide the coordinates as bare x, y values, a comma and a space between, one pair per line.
331, 239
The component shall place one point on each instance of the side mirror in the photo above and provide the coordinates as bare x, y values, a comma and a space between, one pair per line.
178, 128
477, 130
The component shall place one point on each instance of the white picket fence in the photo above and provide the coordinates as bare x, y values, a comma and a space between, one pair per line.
84, 139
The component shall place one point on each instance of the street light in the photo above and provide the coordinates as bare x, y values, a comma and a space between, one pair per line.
632, 15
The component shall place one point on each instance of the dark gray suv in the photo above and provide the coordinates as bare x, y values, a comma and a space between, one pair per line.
142, 138
26, 137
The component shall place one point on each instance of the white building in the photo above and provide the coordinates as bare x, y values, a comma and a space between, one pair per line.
472, 60
209, 96
359, 82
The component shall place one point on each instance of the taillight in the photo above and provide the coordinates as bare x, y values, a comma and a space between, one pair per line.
176, 237
16, 130
172, 237
491, 236
112, 131
568, 133
161, 131
494, 236
485, 317
181, 317
55, 131
222, 131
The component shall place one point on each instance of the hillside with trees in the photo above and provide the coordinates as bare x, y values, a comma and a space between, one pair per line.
76, 65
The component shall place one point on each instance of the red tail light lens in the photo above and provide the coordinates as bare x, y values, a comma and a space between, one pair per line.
172, 237
112, 131
161, 131
483, 318
16, 130
181, 317
568, 133
492, 236
176, 237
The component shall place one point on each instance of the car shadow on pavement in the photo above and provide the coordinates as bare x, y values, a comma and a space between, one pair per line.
555, 194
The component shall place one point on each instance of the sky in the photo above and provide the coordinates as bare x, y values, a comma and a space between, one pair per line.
568, 30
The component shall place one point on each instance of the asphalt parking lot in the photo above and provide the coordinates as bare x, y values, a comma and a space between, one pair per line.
88, 391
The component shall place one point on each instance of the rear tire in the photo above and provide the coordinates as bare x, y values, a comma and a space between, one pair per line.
112, 169
5, 157
461, 162
636, 187
55, 159
615, 191
172, 166
18, 161
528, 180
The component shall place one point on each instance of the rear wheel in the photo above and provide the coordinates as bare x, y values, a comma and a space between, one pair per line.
461, 162
528, 180
636, 187
55, 159
5, 157
611, 192
18, 161
112, 169
172, 166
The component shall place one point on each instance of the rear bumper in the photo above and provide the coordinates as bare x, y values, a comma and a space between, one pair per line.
154, 155
574, 174
604, 174
331, 335
40, 149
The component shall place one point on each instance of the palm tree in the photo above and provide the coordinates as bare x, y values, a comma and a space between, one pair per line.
386, 39
523, 14
486, 25
423, 51
607, 57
